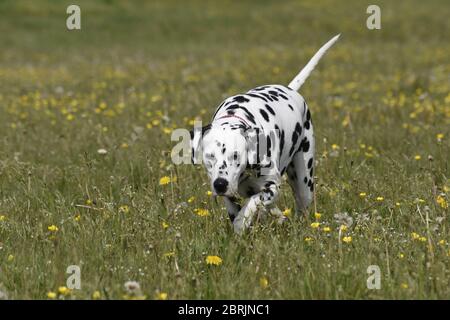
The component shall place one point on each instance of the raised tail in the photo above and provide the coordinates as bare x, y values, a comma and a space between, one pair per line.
298, 81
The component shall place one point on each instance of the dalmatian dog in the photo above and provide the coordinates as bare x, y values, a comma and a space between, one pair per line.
253, 140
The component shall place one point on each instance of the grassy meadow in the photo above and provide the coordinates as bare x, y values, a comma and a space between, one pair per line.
86, 176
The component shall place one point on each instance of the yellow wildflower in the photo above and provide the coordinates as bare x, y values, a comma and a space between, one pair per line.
51, 295
164, 180
343, 228
347, 239
439, 137
191, 199
213, 260
417, 157
308, 239
287, 212
10, 258
415, 236
326, 229
96, 295
64, 290
202, 212
165, 225
52, 228
209, 193
334, 146
263, 282
380, 199
404, 286
442, 202
362, 194
2, 217
317, 215
161, 296
315, 225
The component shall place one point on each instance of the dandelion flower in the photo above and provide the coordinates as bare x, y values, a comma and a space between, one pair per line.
52, 228
317, 215
379, 199
165, 225
334, 146
343, 228
161, 296
440, 201
442, 242
347, 239
77, 217
417, 157
191, 199
415, 236
287, 212
439, 137
2, 217
164, 180
202, 212
209, 193
308, 239
422, 239
96, 295
51, 295
213, 260
404, 286
326, 229
362, 194
315, 225
263, 282
64, 290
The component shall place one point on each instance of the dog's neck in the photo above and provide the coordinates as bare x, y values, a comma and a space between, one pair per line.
233, 118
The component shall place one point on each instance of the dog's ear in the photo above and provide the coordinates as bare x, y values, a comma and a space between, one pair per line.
197, 142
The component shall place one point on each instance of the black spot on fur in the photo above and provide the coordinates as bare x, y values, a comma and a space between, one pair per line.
298, 128
256, 96
269, 145
290, 107
264, 114
305, 180
241, 99
306, 125
310, 163
270, 109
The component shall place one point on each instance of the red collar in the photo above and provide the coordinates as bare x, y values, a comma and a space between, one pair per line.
235, 116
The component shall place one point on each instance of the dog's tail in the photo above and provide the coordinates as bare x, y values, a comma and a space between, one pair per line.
298, 81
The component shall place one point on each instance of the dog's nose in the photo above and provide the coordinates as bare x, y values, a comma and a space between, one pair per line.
220, 185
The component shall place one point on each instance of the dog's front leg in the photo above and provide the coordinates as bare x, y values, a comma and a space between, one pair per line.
265, 198
233, 207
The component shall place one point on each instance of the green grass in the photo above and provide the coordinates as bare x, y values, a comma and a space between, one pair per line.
378, 100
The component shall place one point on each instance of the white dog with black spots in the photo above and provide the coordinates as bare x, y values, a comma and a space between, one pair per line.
253, 139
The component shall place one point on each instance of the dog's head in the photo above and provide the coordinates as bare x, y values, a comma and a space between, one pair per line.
223, 151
